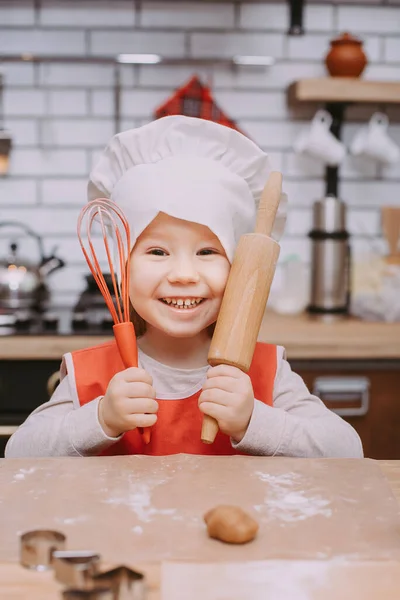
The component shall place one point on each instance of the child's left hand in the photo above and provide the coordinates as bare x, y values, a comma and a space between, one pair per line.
228, 396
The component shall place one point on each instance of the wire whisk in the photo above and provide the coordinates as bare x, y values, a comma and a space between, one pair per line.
114, 228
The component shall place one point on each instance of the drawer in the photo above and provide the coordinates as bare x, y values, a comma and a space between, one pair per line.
370, 402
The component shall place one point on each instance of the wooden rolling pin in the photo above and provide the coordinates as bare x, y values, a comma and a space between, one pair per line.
246, 294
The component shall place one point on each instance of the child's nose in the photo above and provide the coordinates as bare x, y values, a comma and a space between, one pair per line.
183, 271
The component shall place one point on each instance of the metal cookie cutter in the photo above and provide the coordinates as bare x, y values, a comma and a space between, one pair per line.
104, 593
126, 583
37, 547
75, 568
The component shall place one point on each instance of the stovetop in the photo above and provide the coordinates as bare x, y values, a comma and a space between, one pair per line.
56, 321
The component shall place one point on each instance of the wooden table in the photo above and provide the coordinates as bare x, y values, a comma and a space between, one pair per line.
391, 470
335, 519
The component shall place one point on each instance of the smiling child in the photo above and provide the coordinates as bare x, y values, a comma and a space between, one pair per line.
189, 189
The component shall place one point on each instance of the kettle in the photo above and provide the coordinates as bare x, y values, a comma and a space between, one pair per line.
23, 281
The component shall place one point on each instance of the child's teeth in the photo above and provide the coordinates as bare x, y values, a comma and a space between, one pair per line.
183, 303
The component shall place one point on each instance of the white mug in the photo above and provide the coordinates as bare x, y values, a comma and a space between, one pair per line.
373, 141
319, 142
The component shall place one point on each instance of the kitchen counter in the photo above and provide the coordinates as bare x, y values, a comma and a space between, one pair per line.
303, 337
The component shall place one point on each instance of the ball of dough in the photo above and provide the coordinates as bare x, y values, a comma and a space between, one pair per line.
230, 524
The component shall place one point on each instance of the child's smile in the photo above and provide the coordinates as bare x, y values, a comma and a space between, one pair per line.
182, 303
179, 271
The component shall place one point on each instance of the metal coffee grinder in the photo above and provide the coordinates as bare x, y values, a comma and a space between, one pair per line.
330, 259
330, 252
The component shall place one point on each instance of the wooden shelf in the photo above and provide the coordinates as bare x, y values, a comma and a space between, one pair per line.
344, 89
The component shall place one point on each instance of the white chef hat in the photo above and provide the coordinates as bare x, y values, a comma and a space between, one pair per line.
189, 168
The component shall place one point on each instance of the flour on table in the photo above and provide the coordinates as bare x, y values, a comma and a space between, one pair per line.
22, 472
137, 529
287, 503
138, 498
71, 520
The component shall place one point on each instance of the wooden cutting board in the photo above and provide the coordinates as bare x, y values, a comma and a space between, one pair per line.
141, 509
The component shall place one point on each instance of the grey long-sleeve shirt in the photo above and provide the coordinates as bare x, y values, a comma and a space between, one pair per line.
298, 424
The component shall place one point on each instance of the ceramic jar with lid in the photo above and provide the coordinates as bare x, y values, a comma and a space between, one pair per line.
346, 57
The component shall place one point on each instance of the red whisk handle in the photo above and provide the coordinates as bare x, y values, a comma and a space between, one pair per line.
125, 337
146, 434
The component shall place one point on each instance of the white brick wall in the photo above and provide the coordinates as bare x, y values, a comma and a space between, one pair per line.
60, 221
228, 44
371, 19
17, 74
62, 115
65, 192
187, 15
392, 49
67, 14
75, 75
101, 103
265, 16
84, 133
166, 76
258, 104
25, 132
10, 14
141, 103
115, 42
276, 77
48, 162
35, 41
272, 134
29, 102
275, 17
17, 192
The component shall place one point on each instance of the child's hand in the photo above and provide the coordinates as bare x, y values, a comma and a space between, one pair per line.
228, 397
128, 403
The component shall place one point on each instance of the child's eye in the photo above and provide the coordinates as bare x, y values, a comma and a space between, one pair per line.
207, 251
157, 252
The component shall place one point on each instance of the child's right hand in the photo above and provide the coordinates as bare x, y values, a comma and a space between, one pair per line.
129, 402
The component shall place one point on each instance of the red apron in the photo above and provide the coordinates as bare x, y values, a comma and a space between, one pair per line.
179, 422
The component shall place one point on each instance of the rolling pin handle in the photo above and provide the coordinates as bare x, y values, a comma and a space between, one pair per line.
209, 429
269, 203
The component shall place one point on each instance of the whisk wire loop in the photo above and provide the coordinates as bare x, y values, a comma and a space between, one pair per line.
112, 221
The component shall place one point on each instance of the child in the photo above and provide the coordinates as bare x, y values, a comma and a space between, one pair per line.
189, 189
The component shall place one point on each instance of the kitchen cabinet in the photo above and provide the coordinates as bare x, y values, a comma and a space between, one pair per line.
24, 385
378, 419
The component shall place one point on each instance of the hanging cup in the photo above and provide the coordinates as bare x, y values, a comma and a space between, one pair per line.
373, 141
319, 142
